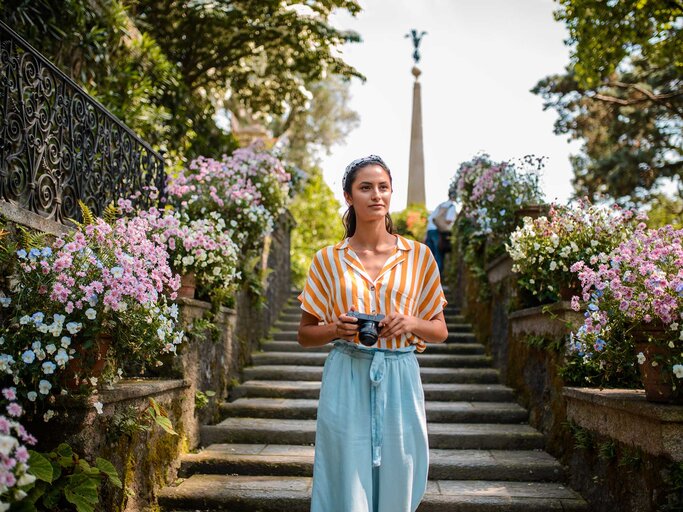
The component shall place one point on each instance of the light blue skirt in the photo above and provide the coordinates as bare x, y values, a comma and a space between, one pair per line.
371, 450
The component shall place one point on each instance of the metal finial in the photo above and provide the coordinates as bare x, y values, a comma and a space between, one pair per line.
416, 43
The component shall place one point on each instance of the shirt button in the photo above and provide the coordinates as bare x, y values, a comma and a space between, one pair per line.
373, 312
372, 288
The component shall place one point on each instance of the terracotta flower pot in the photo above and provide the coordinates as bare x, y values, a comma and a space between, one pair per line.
89, 361
657, 381
188, 284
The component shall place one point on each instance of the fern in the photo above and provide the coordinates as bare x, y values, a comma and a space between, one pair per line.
88, 217
111, 213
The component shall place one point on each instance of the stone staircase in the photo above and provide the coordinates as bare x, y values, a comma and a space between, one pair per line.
484, 457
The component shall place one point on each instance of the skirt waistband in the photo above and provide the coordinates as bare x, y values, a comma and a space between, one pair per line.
369, 353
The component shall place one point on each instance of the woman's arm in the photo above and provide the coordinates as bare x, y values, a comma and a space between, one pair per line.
433, 330
311, 334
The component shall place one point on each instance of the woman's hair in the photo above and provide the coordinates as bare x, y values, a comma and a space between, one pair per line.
349, 218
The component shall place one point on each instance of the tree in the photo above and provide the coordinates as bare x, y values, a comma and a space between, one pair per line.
316, 212
314, 128
622, 94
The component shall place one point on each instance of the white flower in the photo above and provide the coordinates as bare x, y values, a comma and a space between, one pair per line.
48, 415
32, 395
117, 272
44, 387
58, 318
161, 333
73, 327
2, 339
671, 344
49, 367
674, 326
19, 494
641, 358
24, 320
66, 341
4, 507
5, 301
28, 357
174, 311
654, 363
93, 381
553, 265
26, 479
38, 317
43, 328
62, 357
7, 444
99, 407
50, 349
90, 313
678, 370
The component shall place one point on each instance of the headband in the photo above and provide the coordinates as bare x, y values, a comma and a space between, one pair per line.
361, 162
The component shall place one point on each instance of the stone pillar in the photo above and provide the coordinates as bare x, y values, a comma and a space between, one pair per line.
416, 166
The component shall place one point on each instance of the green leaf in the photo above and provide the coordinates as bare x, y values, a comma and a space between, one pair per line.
155, 406
81, 491
40, 466
210, 393
166, 424
24, 506
108, 469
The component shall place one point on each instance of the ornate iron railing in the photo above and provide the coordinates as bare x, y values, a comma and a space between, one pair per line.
59, 145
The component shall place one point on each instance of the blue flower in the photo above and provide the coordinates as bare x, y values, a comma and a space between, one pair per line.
593, 307
21, 253
34, 254
46, 252
599, 344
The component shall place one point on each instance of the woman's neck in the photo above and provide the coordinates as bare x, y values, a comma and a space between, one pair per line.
371, 236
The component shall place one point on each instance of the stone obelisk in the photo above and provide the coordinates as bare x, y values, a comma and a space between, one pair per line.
416, 163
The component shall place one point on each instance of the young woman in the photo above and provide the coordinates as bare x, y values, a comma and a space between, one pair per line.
371, 451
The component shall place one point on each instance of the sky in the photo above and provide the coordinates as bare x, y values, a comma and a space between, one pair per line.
479, 60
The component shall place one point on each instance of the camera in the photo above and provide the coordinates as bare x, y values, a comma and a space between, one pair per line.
368, 327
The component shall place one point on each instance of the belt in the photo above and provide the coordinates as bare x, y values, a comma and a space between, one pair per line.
378, 390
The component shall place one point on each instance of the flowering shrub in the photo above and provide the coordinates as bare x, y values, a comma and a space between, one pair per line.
544, 249
412, 222
639, 283
249, 189
203, 246
100, 279
490, 193
15, 476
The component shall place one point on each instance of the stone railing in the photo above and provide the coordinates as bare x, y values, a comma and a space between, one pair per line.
622, 452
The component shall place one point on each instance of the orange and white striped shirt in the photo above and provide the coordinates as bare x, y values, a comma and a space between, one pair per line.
409, 283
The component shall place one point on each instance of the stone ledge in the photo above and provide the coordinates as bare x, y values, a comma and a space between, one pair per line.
200, 304
625, 415
499, 268
128, 389
552, 320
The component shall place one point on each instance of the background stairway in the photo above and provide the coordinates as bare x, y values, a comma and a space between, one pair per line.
483, 455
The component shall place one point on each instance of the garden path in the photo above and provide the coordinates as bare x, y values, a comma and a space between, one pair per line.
484, 456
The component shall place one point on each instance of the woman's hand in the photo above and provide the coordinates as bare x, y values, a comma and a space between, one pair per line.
396, 324
346, 327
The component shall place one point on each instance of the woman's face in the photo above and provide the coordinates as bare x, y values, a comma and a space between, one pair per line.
370, 193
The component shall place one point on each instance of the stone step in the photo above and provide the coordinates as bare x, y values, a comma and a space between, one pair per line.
318, 359
432, 348
279, 493
449, 412
311, 389
457, 337
297, 460
429, 375
441, 435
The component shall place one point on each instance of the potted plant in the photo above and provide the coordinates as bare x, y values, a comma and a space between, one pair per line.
635, 296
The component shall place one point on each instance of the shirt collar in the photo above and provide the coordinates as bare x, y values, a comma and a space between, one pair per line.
401, 244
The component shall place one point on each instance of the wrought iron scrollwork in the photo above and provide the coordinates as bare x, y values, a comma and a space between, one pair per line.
59, 145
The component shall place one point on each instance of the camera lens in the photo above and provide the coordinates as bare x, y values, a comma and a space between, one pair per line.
367, 333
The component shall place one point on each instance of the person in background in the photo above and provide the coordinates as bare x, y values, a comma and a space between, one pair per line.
439, 226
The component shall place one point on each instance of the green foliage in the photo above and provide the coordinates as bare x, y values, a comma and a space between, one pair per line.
622, 94
663, 210
65, 480
202, 398
630, 457
166, 69
583, 438
542, 342
316, 212
159, 416
607, 450
412, 222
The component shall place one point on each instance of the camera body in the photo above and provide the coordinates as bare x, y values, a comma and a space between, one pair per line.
368, 327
